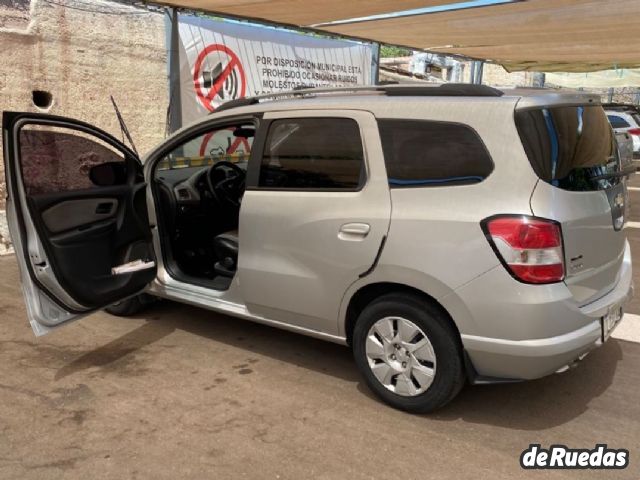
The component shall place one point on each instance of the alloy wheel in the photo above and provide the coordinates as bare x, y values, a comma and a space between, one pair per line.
400, 356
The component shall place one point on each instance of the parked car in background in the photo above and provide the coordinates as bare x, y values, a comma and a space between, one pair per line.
625, 119
447, 234
625, 147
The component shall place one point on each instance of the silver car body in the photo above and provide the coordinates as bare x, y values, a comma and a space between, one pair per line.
631, 119
304, 256
625, 146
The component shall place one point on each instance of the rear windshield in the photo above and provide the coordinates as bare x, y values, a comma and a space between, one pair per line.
572, 148
617, 121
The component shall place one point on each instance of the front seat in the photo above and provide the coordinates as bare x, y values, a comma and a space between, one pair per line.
225, 246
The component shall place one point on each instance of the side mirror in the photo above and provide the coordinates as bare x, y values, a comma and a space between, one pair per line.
244, 132
108, 174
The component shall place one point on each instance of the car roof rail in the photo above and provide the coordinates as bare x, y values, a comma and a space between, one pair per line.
238, 102
395, 90
442, 90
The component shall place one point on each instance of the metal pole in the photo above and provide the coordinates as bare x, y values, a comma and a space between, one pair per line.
475, 72
479, 73
538, 80
175, 93
375, 63
610, 95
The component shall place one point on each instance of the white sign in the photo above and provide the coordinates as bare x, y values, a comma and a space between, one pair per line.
226, 60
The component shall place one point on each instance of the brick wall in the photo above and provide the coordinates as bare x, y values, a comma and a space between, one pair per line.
81, 57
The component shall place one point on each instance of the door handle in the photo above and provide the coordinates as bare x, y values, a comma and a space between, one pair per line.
104, 208
354, 231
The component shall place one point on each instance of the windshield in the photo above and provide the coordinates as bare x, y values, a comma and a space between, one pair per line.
572, 148
230, 144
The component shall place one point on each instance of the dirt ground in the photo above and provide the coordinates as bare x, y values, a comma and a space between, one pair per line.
180, 392
184, 393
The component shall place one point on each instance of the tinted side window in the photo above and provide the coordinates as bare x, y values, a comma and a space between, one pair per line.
58, 159
312, 153
427, 153
617, 122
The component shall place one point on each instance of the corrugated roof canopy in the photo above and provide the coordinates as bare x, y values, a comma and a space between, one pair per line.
543, 35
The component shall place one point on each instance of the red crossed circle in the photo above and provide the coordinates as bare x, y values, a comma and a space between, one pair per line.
206, 98
232, 148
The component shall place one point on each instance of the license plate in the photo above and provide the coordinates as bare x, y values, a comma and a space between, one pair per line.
610, 320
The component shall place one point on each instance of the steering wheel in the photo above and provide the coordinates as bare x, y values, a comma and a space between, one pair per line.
229, 189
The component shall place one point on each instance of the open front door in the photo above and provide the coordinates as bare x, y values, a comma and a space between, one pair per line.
77, 216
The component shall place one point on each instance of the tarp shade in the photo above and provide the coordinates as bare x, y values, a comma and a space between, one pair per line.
536, 35
303, 12
604, 79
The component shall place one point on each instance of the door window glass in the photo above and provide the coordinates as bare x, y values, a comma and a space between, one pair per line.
312, 153
56, 159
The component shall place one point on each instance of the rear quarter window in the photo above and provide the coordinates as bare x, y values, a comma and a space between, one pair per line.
571, 147
422, 153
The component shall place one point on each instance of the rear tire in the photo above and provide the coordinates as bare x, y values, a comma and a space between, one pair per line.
408, 352
128, 307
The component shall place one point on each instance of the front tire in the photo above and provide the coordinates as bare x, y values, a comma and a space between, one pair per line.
129, 306
408, 353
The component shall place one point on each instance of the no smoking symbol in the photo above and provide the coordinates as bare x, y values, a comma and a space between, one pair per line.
218, 76
240, 144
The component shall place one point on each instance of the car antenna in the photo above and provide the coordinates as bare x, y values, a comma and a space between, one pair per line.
123, 126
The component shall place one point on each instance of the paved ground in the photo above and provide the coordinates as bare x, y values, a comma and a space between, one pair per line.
184, 393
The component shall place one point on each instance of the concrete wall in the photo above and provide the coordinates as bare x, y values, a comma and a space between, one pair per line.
81, 57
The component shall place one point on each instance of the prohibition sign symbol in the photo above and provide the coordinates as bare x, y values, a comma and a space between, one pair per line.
230, 150
229, 81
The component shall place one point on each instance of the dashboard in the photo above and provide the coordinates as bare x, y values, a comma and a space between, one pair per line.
186, 184
190, 184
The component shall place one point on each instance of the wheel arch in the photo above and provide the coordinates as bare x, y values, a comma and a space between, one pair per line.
365, 294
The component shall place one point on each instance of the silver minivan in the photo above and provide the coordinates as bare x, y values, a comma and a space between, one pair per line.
447, 234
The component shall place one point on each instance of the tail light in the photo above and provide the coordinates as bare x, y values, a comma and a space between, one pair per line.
529, 248
634, 131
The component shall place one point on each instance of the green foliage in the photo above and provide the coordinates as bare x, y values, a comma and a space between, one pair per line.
387, 51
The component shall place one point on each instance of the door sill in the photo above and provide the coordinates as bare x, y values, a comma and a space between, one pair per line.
239, 310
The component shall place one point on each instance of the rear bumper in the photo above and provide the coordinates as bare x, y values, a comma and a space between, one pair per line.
528, 359
534, 358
